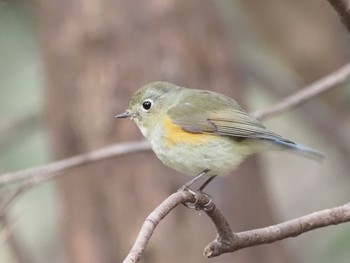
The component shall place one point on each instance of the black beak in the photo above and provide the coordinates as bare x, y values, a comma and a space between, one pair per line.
123, 115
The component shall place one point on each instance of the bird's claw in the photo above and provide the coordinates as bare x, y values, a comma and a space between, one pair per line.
196, 204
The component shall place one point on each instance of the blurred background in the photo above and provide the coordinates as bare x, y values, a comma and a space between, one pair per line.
67, 67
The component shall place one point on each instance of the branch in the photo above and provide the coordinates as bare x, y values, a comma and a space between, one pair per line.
292, 228
342, 8
201, 202
226, 240
152, 221
45, 172
337, 77
324, 116
39, 174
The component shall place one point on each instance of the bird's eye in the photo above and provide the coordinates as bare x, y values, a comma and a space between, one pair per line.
147, 104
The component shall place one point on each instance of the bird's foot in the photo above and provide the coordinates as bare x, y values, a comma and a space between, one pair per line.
193, 180
198, 203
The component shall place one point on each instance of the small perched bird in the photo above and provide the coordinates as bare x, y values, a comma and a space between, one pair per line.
199, 132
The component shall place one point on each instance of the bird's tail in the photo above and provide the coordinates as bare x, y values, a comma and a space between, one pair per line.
299, 149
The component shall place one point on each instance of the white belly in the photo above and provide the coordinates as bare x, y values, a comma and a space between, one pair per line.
219, 157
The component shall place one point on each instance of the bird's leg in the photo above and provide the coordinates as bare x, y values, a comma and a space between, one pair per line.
206, 183
193, 180
199, 191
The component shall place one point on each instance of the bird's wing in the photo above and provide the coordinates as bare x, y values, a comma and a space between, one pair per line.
219, 115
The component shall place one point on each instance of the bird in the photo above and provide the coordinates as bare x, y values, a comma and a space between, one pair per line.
200, 132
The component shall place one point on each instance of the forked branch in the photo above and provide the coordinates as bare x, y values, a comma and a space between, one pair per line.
227, 240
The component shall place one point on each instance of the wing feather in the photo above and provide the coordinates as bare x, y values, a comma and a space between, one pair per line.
223, 117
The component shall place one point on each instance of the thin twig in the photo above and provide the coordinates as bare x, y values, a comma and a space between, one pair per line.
330, 81
44, 172
342, 8
324, 117
39, 174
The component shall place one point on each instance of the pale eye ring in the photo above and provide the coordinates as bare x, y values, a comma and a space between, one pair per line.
147, 105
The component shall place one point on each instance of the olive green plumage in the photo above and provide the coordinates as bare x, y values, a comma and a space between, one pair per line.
207, 130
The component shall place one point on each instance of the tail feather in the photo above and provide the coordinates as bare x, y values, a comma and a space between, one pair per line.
300, 149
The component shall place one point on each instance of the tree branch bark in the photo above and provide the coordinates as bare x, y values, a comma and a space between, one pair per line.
337, 77
45, 172
292, 228
227, 240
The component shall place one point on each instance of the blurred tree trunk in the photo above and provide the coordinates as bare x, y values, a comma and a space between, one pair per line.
97, 54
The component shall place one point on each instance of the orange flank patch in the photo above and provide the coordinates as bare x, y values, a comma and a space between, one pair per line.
174, 134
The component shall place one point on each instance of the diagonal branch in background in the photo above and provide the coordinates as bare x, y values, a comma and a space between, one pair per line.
226, 240
342, 7
45, 172
330, 81
39, 174
324, 117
